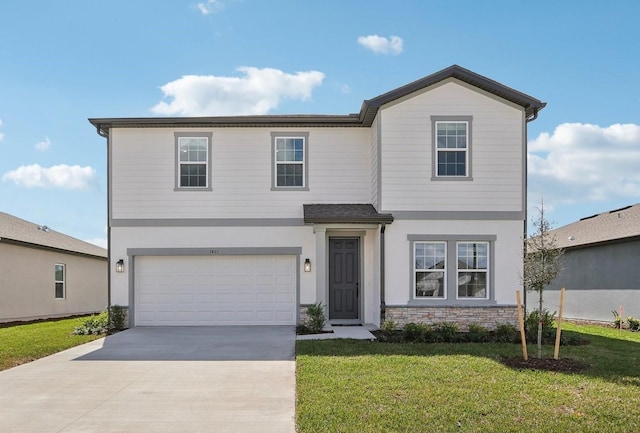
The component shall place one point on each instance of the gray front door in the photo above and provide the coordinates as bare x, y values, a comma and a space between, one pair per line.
344, 278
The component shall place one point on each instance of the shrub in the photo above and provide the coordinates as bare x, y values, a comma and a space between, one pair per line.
315, 318
634, 324
616, 319
94, 324
417, 332
505, 333
446, 332
477, 334
389, 332
117, 317
531, 325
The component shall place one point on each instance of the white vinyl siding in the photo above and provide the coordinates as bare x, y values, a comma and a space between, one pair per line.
496, 156
339, 171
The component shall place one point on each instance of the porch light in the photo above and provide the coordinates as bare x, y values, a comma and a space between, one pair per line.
307, 265
120, 266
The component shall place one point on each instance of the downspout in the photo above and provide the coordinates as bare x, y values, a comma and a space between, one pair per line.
526, 198
101, 133
382, 277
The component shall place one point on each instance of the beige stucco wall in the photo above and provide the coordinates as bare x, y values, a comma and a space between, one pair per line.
27, 289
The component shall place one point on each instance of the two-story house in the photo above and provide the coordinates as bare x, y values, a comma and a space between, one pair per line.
412, 209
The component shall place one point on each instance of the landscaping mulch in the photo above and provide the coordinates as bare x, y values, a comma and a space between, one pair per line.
563, 365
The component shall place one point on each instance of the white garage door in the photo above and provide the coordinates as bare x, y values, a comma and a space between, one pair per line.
219, 290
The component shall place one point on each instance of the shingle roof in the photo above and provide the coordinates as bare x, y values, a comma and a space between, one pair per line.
365, 117
344, 213
609, 226
17, 230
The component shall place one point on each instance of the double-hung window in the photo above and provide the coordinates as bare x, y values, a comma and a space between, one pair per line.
452, 147
430, 269
452, 269
193, 158
59, 281
290, 170
472, 272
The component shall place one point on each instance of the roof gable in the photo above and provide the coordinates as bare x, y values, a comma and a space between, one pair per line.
16, 230
530, 104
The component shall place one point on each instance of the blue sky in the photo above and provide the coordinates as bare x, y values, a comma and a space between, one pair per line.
64, 61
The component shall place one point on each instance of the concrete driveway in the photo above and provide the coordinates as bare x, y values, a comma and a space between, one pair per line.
169, 379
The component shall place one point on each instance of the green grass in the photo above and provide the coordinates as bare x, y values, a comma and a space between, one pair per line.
24, 343
359, 386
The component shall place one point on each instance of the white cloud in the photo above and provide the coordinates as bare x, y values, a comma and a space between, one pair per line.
583, 162
382, 45
59, 176
43, 145
210, 6
257, 92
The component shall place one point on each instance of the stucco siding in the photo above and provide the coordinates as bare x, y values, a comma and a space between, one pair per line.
126, 238
143, 174
27, 284
507, 249
496, 156
598, 279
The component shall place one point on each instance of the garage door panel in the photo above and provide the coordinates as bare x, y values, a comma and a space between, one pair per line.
204, 290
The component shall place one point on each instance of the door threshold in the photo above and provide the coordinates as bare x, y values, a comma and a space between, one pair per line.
345, 322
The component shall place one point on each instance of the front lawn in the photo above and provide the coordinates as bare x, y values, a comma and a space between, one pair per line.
359, 386
24, 343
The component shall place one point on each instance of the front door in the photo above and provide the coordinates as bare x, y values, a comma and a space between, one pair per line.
344, 278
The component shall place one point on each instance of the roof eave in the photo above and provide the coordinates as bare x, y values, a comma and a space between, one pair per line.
104, 124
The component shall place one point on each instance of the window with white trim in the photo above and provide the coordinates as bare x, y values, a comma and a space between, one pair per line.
289, 159
59, 281
473, 270
430, 273
451, 147
193, 161
452, 269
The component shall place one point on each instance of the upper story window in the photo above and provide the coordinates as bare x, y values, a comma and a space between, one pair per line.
59, 281
451, 147
193, 161
289, 160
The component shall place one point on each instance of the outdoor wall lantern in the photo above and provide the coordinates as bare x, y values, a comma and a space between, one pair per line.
120, 266
307, 265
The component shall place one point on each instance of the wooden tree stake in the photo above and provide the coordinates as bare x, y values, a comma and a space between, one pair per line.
559, 330
523, 336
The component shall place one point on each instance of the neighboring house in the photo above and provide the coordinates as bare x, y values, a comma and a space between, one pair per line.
412, 210
46, 274
600, 268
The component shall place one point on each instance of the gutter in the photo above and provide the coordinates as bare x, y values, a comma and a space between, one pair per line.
531, 118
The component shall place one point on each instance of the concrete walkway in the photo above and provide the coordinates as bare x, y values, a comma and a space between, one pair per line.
152, 380
352, 332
